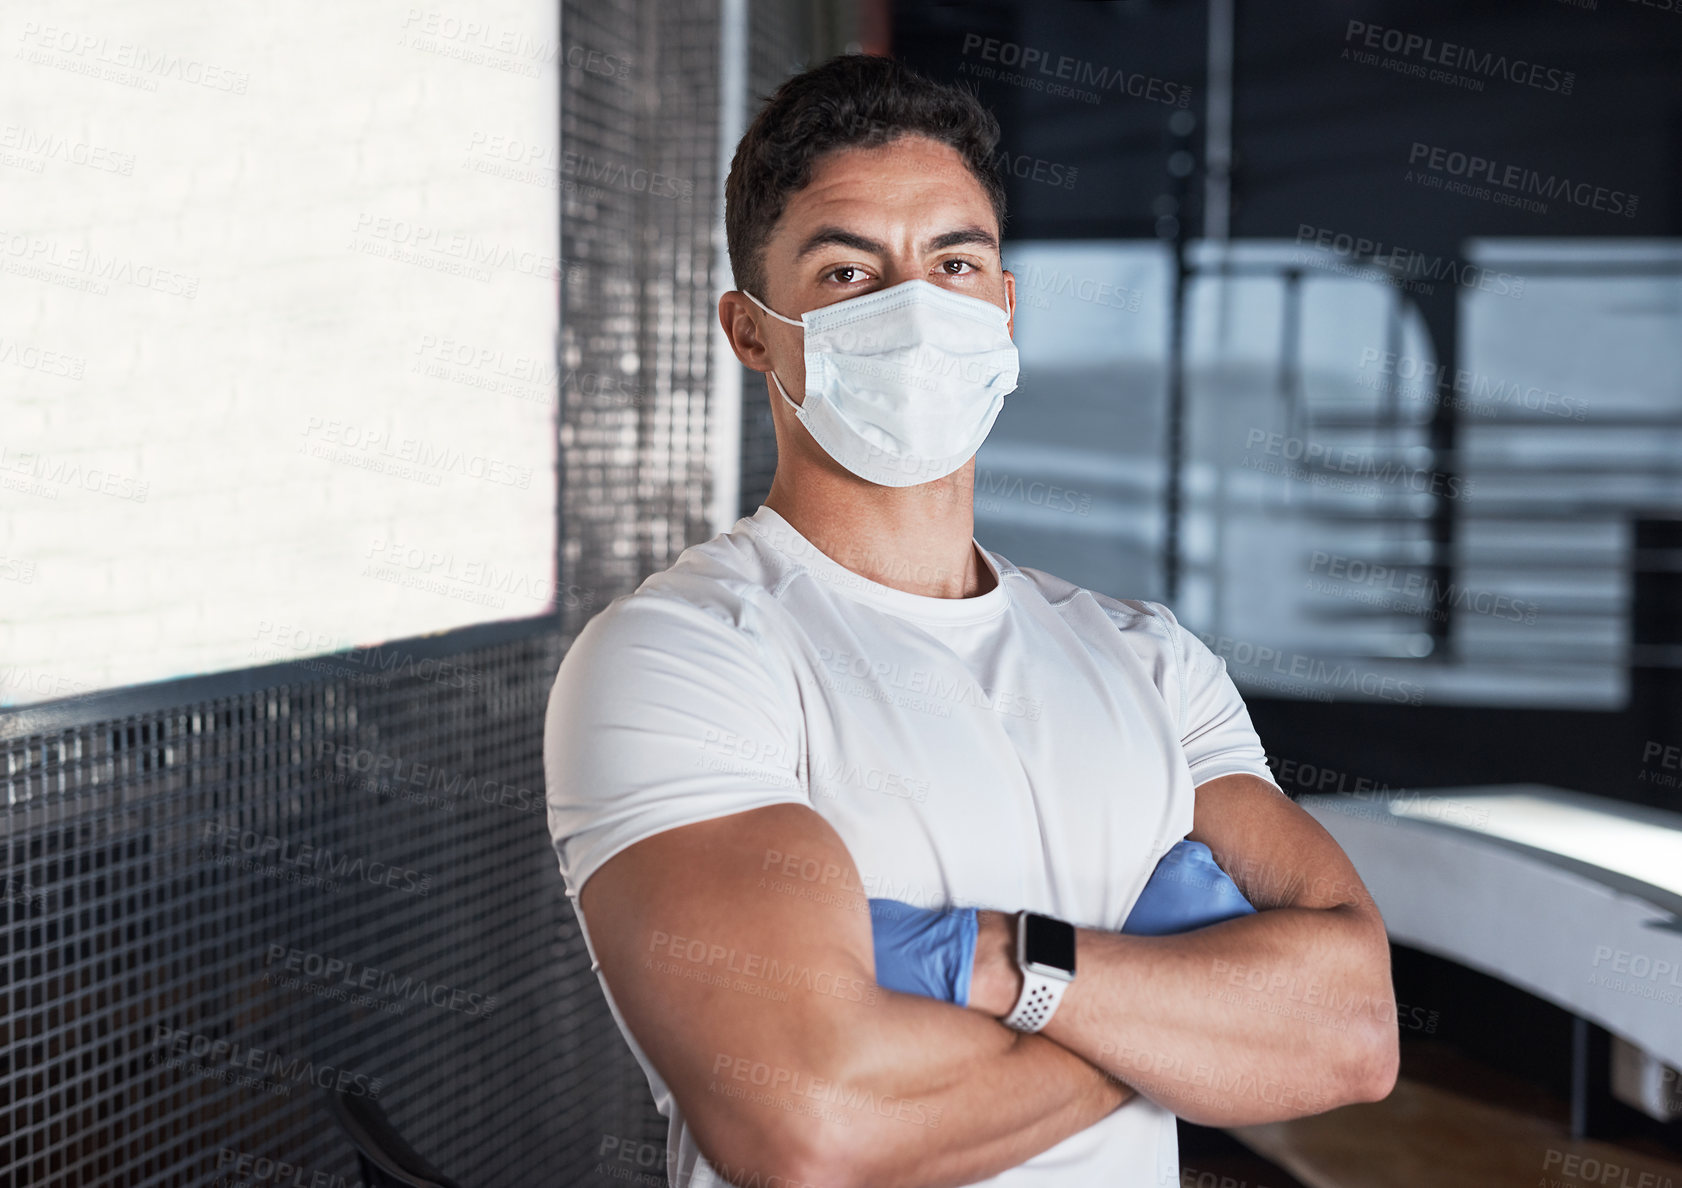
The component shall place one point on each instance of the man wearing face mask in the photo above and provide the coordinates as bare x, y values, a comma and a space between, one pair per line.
901, 864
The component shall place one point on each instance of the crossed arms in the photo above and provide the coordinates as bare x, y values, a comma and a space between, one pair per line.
836, 1082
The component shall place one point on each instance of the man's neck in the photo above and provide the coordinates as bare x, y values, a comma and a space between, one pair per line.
917, 539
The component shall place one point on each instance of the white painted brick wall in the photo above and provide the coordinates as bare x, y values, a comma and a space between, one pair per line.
228, 184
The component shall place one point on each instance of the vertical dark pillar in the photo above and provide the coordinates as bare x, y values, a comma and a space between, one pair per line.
1591, 1074
1441, 311
1172, 226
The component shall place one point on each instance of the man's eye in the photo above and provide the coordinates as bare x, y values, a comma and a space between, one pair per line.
957, 267
846, 274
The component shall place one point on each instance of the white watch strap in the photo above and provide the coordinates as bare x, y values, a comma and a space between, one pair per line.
1037, 1002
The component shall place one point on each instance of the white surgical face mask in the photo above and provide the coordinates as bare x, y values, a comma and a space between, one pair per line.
903, 384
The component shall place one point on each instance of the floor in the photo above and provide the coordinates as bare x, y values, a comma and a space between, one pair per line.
1450, 1123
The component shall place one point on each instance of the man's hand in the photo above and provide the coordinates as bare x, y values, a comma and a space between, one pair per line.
931, 951
1187, 890
1273, 1015
922, 950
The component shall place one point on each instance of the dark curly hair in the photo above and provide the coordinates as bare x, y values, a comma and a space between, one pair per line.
855, 100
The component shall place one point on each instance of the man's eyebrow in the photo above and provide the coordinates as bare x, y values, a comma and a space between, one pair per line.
962, 236
841, 237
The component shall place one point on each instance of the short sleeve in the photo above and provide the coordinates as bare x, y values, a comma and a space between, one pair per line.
1215, 729
662, 714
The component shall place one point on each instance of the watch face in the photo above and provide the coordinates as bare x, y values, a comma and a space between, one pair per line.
1049, 943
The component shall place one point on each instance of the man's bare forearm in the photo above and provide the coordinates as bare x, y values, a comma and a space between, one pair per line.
926, 1093
1269, 1016
832, 1080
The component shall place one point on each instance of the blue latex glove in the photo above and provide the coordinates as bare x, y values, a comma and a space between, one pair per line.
927, 951
931, 951
1186, 891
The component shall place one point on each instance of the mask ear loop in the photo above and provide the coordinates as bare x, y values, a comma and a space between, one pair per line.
781, 391
772, 312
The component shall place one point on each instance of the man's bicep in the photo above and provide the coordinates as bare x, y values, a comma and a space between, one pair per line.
1277, 854
737, 943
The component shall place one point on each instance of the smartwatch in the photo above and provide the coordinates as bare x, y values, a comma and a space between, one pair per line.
1045, 953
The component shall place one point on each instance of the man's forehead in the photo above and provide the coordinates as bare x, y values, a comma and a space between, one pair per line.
836, 235
910, 188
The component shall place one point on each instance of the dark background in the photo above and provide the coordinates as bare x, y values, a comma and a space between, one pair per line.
1323, 141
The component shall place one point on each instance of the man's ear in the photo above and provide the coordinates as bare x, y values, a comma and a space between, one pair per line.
736, 315
1010, 298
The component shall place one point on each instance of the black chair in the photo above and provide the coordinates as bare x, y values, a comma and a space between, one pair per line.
386, 1160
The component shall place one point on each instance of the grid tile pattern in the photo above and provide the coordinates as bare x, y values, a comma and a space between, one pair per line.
219, 913
638, 204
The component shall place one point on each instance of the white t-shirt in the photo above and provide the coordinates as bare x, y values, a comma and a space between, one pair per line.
1032, 747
